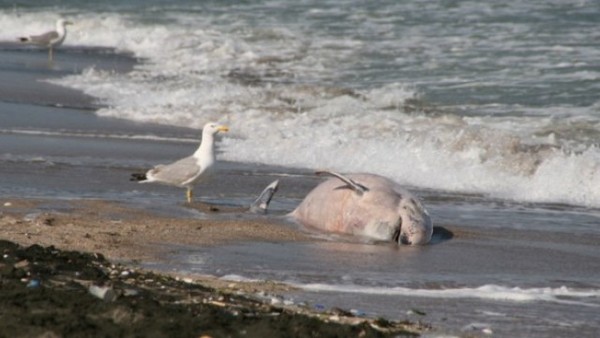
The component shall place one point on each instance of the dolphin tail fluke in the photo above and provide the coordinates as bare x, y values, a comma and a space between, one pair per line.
260, 205
357, 187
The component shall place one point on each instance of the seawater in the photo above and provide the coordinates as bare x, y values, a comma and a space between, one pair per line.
474, 97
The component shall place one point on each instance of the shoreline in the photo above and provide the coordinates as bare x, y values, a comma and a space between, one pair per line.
127, 235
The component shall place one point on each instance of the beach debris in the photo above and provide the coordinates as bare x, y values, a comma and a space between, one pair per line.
217, 303
130, 292
382, 322
31, 217
40, 219
357, 313
319, 307
72, 271
7, 204
48, 221
105, 293
33, 284
334, 318
8, 220
416, 312
22, 264
340, 312
480, 327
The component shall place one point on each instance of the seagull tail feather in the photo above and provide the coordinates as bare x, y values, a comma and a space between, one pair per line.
24, 39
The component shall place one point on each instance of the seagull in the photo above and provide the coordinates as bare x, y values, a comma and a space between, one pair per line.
49, 39
189, 170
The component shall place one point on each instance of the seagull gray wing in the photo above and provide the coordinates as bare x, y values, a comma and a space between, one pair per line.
43, 39
176, 173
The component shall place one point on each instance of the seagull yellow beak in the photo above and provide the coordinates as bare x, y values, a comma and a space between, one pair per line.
223, 128
69, 23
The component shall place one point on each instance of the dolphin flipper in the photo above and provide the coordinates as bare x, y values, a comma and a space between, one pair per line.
357, 187
260, 205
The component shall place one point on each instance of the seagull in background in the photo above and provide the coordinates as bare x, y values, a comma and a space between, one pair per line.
49, 39
189, 170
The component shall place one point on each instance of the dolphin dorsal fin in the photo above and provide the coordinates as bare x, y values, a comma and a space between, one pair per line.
357, 187
260, 205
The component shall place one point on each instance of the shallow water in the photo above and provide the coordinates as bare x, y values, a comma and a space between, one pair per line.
489, 112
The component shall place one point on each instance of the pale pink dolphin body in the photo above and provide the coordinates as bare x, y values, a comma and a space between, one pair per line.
366, 205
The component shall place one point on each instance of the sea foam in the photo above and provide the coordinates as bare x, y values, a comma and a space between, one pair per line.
488, 292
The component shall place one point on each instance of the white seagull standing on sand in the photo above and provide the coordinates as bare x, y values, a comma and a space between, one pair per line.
189, 170
49, 39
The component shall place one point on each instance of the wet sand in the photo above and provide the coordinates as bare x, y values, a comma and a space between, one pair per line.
126, 234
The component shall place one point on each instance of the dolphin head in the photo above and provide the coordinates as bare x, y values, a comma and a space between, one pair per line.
415, 225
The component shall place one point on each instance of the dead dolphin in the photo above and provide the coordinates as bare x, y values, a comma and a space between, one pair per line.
360, 204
